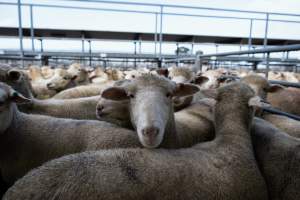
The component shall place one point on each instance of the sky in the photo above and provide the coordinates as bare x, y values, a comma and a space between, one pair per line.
116, 21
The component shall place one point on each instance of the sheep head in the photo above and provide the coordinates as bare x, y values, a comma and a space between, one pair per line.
150, 104
8, 96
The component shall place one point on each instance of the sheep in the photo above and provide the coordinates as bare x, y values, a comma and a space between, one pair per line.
224, 168
193, 124
82, 91
17, 79
212, 79
283, 76
180, 74
20, 82
82, 77
98, 76
114, 74
61, 80
3, 71
290, 103
262, 88
151, 108
27, 141
130, 75
278, 157
79, 108
287, 125
39, 84
47, 72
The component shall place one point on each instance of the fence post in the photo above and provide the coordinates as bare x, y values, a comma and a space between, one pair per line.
20, 32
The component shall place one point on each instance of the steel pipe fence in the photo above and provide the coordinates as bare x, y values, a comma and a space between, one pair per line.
159, 11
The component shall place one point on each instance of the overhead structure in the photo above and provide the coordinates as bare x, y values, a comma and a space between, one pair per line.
158, 36
131, 36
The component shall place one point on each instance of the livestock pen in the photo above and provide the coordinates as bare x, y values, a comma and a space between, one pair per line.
139, 100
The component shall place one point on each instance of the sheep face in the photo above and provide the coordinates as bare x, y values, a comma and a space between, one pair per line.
180, 75
47, 72
75, 70
20, 82
150, 105
260, 85
60, 80
98, 76
116, 112
7, 96
130, 75
149, 112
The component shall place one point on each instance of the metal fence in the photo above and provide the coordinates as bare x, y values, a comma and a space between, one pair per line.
158, 11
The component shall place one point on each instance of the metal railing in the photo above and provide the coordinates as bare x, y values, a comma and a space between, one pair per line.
158, 11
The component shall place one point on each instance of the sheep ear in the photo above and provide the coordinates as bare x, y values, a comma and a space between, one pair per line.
185, 89
163, 72
257, 102
14, 75
275, 88
199, 80
115, 93
73, 77
18, 98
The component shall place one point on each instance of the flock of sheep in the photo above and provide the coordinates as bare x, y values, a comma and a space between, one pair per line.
177, 133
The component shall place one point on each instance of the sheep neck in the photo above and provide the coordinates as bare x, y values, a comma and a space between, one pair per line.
170, 136
232, 122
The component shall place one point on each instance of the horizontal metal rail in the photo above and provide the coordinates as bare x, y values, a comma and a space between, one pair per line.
183, 6
285, 83
295, 47
236, 59
279, 112
149, 12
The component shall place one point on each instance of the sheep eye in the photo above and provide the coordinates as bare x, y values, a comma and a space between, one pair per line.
131, 96
133, 76
168, 95
66, 78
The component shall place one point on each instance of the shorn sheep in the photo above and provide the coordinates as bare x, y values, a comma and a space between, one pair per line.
192, 125
263, 89
27, 141
151, 109
79, 108
224, 168
278, 156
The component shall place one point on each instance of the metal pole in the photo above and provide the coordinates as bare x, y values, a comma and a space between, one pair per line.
177, 54
250, 35
42, 48
160, 32
155, 35
267, 65
140, 46
266, 31
294, 47
20, 32
82, 43
134, 54
90, 52
31, 28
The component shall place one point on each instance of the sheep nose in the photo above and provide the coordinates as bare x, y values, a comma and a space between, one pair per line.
150, 132
100, 108
49, 85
